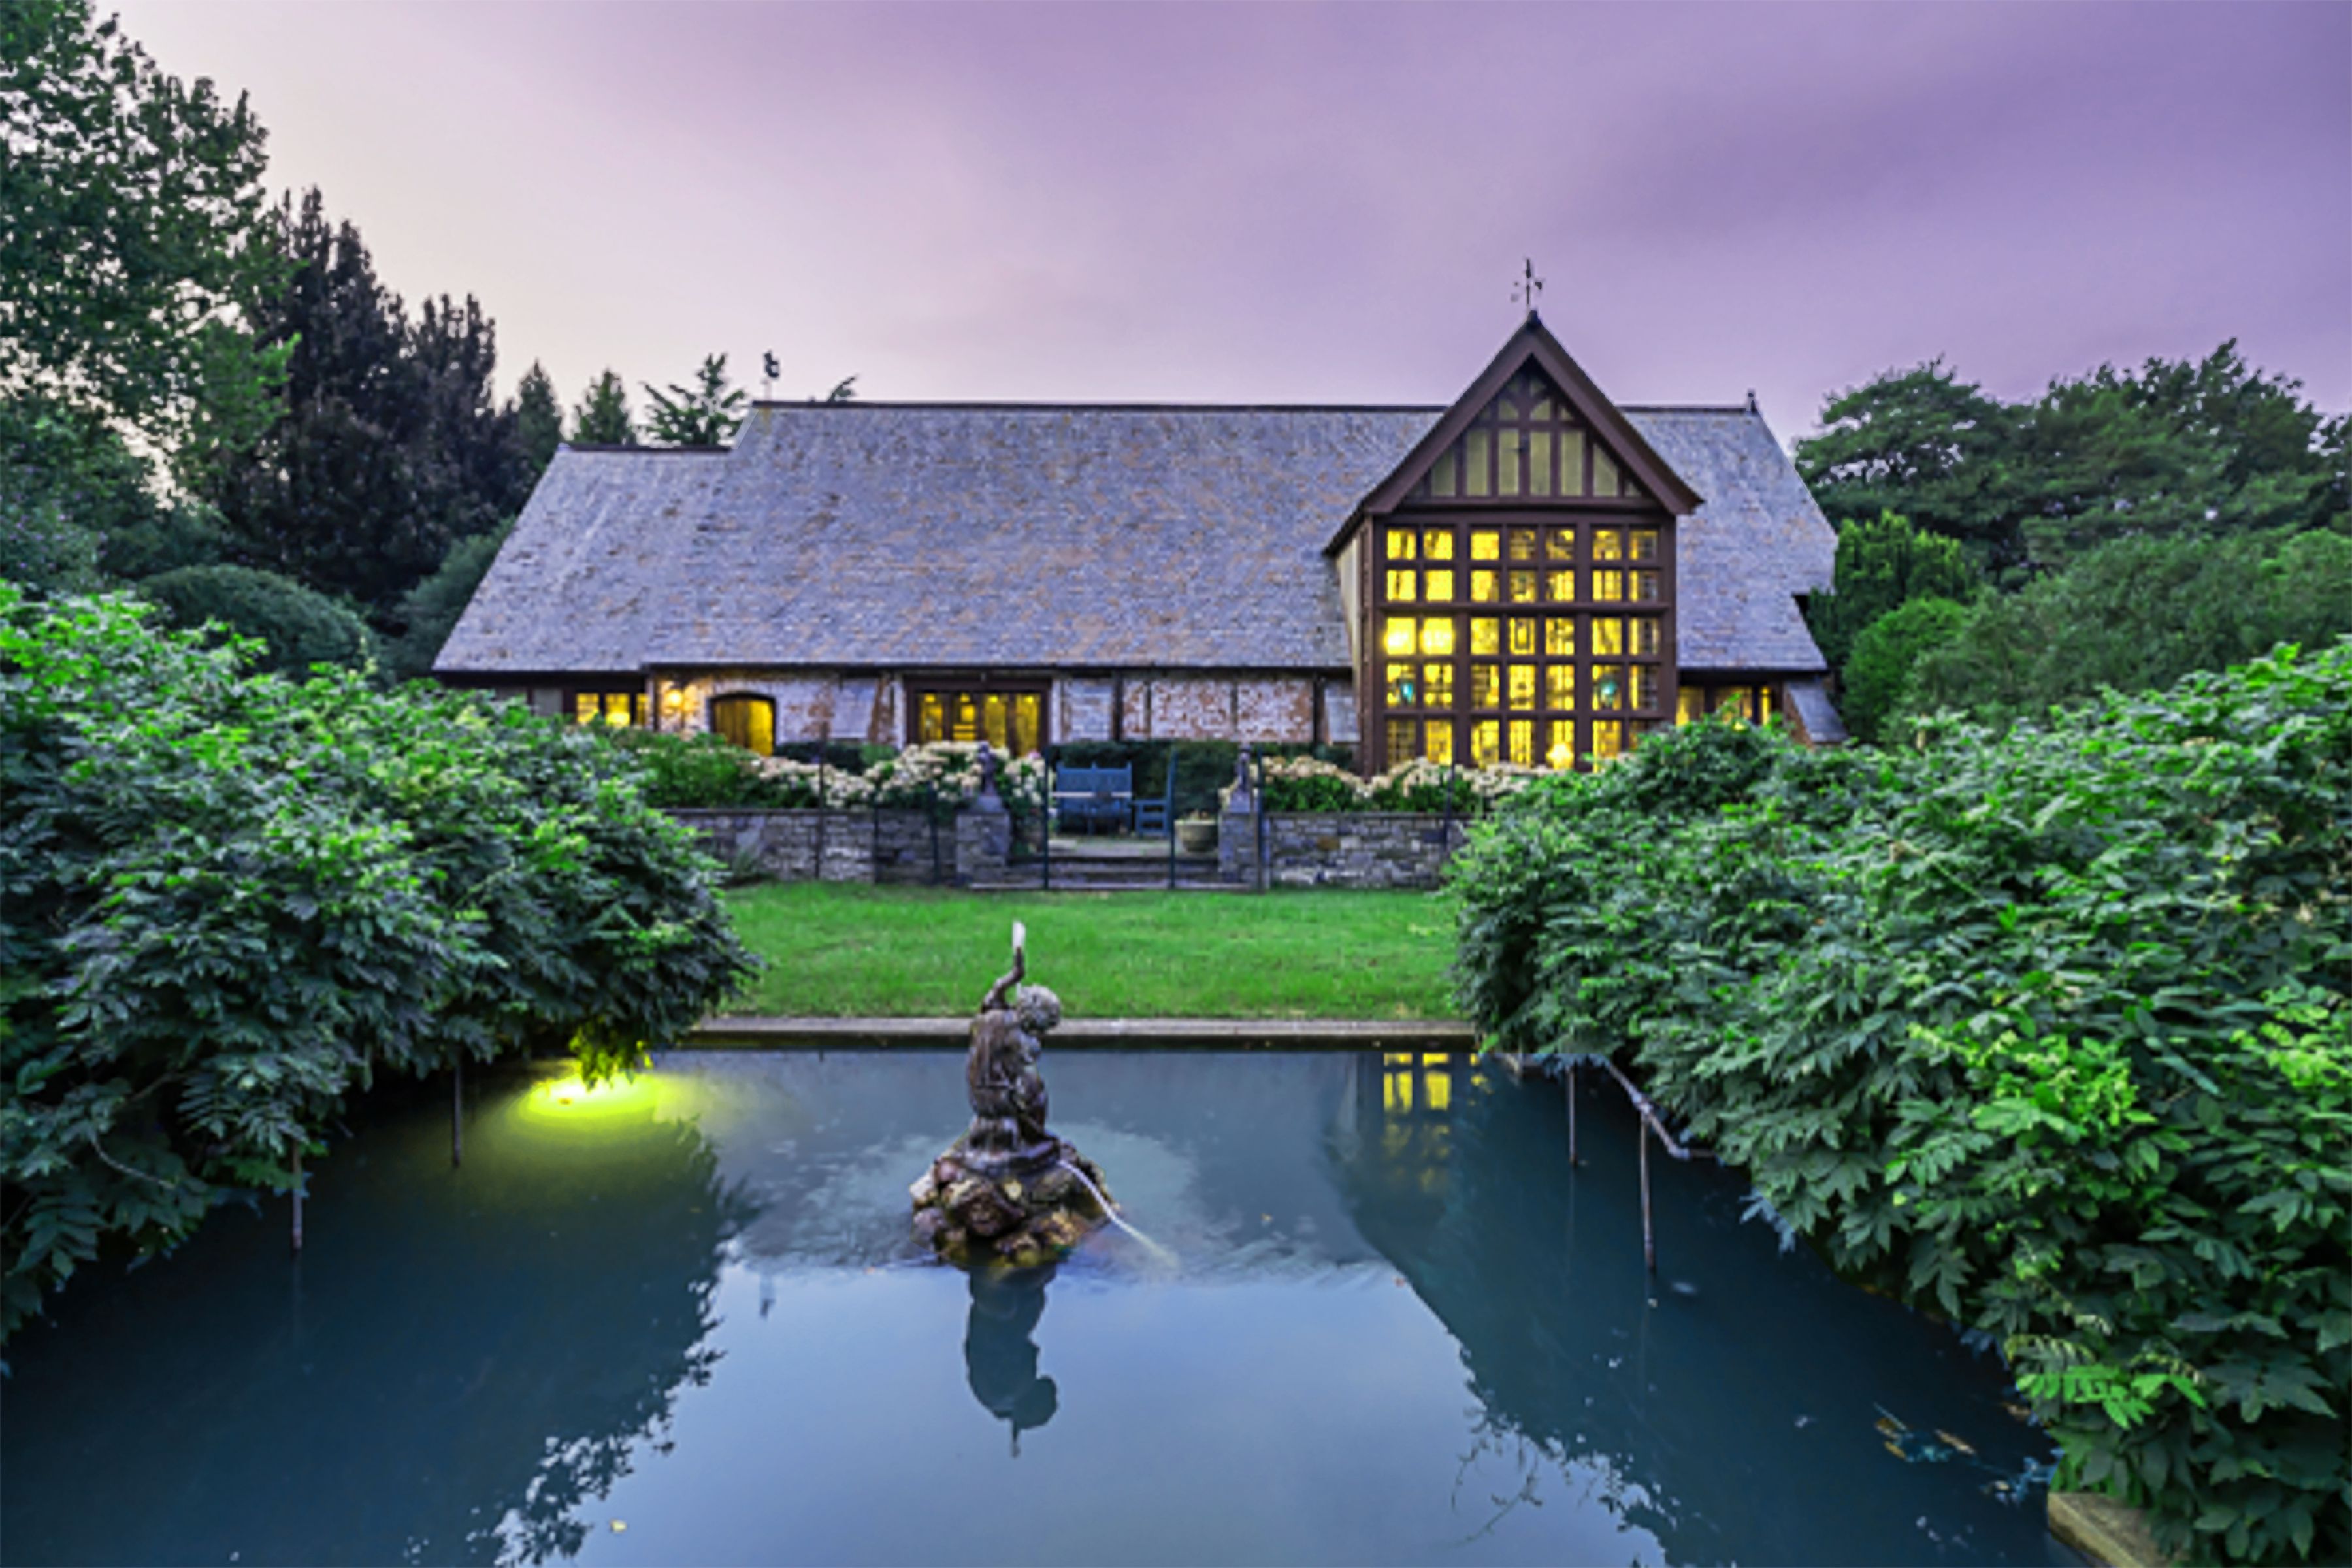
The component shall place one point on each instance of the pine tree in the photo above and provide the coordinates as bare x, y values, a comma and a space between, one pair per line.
539, 419
603, 418
704, 415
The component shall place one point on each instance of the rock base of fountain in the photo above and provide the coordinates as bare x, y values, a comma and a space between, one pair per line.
1015, 1208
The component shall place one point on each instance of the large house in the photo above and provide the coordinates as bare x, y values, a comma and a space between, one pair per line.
1530, 575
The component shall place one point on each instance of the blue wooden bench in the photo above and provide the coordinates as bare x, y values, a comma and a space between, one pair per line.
1093, 798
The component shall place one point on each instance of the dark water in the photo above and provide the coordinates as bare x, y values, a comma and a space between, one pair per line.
681, 1323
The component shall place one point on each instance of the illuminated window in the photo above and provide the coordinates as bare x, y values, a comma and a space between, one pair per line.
1401, 639
1482, 587
1560, 544
1609, 686
1441, 587
1560, 685
1690, 704
1522, 542
1438, 741
1560, 754
746, 721
1404, 740
1608, 544
1523, 743
1608, 587
621, 710
1643, 688
1644, 543
1437, 685
1012, 722
1648, 585
1436, 636
1642, 635
1607, 740
1437, 543
1486, 743
1485, 685
1523, 635
1403, 584
1560, 586
1608, 634
1559, 637
1486, 544
1523, 587
1485, 635
1523, 684
1400, 543
1405, 688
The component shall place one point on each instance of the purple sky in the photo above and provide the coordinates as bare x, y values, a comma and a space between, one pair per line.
1328, 202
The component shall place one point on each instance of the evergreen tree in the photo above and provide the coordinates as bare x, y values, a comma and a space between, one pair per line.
1925, 444
1883, 563
539, 419
705, 414
603, 418
389, 449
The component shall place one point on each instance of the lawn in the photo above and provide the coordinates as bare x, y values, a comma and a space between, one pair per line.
849, 951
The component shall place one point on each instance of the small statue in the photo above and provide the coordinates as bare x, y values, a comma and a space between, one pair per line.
999, 1069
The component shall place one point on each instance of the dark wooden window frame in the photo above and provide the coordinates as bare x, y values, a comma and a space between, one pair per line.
640, 710
984, 684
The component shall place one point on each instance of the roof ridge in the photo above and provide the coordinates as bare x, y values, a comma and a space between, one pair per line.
639, 447
1019, 405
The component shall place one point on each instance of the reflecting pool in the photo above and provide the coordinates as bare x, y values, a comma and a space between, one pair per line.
683, 1321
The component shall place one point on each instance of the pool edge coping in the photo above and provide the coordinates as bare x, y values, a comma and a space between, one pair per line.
1094, 1033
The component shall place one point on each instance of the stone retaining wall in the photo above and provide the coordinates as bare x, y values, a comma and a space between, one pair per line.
1303, 849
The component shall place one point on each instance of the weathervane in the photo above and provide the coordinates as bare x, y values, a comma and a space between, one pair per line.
1528, 285
772, 369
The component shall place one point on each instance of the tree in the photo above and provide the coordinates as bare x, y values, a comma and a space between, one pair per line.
299, 627
705, 414
539, 419
432, 608
1882, 564
603, 418
1924, 445
1879, 672
389, 449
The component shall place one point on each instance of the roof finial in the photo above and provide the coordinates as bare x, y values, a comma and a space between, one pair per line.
1751, 401
772, 370
1528, 285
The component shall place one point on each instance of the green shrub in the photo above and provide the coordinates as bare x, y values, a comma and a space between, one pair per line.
2050, 1031
227, 900
699, 771
1878, 672
298, 626
2139, 613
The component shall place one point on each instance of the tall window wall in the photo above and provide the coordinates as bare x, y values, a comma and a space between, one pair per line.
1521, 599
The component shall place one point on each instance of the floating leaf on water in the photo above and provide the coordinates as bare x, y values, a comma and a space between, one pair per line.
1955, 1442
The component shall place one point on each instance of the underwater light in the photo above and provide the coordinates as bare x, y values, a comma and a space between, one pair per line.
571, 1097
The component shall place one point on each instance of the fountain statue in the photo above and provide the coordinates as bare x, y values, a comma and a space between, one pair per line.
1009, 1192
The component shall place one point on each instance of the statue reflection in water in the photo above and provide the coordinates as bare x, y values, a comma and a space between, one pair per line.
999, 1357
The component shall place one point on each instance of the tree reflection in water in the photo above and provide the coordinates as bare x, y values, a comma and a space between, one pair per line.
462, 1360
1000, 1355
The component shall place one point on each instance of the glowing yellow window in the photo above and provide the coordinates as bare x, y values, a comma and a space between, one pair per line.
1608, 634
1399, 640
1607, 740
1440, 745
1560, 544
1560, 755
1523, 743
1642, 634
1609, 686
1441, 586
1523, 635
931, 718
1482, 586
1436, 636
1560, 685
1437, 543
1560, 586
748, 721
1690, 704
1485, 685
584, 707
1643, 542
1486, 743
1763, 703
1404, 585
1735, 700
1523, 684
1645, 585
1437, 685
1523, 543
1442, 475
1404, 736
1485, 635
1608, 544
1559, 637
1401, 542
1486, 544
1642, 686
1523, 587
1404, 691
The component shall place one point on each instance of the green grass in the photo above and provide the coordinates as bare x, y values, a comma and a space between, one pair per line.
848, 951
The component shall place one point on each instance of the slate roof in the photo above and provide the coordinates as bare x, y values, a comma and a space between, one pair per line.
914, 535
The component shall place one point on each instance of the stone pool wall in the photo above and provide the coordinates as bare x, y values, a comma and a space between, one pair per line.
809, 845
